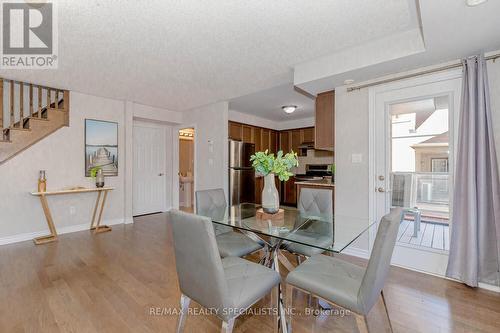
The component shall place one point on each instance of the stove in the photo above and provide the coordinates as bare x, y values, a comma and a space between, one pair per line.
314, 172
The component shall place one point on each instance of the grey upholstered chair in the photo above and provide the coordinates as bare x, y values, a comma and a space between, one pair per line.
317, 204
212, 204
226, 286
347, 285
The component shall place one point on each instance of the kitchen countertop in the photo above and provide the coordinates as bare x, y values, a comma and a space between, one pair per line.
318, 182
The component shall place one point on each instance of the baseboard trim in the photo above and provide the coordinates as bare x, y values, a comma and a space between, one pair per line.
489, 287
364, 254
60, 231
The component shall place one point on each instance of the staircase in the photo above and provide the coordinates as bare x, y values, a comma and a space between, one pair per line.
29, 113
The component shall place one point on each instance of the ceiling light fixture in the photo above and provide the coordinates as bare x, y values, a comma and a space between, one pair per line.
472, 3
289, 108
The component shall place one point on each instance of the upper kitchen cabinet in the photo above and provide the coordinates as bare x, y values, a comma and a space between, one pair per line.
266, 139
247, 133
257, 138
235, 131
307, 135
296, 140
273, 142
284, 138
325, 121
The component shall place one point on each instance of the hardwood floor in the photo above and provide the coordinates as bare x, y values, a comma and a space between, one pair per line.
110, 282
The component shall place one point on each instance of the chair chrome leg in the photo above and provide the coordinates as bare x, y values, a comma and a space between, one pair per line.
289, 305
227, 326
182, 318
386, 310
275, 304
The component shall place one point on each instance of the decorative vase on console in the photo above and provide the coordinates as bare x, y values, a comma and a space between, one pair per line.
98, 175
269, 166
99, 179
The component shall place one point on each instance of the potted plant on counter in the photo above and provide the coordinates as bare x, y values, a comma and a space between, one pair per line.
269, 166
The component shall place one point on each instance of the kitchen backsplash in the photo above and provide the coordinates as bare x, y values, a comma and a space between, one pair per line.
313, 157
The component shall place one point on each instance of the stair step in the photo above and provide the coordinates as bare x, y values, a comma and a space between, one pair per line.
19, 129
36, 118
55, 109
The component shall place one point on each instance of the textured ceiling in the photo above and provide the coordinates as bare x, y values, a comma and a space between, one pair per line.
182, 54
450, 30
267, 104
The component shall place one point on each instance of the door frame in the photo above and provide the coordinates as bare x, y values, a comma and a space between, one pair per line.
175, 162
168, 168
375, 93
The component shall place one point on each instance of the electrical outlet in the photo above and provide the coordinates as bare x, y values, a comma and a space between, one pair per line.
356, 158
72, 210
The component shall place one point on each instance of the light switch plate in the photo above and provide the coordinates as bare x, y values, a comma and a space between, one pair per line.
356, 158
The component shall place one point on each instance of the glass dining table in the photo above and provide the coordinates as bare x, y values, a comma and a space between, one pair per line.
293, 232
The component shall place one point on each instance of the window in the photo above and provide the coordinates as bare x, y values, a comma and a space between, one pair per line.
439, 165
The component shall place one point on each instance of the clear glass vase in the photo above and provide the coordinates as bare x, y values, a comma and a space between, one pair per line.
99, 179
270, 195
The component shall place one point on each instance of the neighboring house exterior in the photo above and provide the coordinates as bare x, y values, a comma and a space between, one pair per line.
432, 155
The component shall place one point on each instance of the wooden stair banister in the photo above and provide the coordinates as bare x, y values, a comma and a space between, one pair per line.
31, 118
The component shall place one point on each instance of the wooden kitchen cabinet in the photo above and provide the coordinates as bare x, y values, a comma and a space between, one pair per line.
284, 141
247, 133
307, 135
289, 194
295, 140
235, 131
257, 138
325, 121
273, 142
265, 139
259, 186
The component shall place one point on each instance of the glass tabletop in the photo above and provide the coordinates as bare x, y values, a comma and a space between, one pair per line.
313, 234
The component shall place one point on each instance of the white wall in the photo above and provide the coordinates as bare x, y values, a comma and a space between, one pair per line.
150, 113
62, 156
211, 149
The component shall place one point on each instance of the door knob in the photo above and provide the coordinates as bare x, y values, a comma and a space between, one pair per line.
381, 189
160, 174
381, 177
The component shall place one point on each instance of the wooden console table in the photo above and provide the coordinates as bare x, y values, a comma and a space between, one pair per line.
94, 225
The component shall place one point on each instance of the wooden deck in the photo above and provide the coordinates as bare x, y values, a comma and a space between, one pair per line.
435, 236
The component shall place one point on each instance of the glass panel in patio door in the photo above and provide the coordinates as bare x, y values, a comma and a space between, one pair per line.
420, 177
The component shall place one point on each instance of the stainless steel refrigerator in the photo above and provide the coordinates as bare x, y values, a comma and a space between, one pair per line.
241, 173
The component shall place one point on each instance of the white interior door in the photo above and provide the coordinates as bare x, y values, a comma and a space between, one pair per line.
415, 130
149, 174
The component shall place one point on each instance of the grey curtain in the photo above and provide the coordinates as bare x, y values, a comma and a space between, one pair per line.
475, 230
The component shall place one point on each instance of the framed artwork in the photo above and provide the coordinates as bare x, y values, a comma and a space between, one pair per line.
101, 146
